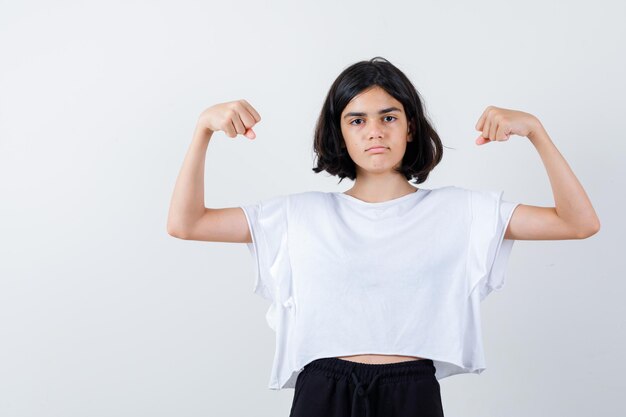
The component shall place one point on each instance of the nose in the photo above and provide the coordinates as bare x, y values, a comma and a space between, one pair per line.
376, 129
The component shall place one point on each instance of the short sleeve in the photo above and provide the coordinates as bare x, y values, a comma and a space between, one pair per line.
267, 221
488, 250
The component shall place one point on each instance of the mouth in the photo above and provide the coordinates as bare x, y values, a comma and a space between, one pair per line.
376, 148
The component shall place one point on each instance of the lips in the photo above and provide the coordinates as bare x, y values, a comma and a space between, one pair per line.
376, 147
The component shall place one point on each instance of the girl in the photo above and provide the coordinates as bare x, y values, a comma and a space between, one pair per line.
376, 291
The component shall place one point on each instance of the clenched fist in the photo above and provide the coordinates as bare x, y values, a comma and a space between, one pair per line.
497, 124
233, 118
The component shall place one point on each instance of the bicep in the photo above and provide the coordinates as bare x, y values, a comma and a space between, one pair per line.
220, 225
538, 223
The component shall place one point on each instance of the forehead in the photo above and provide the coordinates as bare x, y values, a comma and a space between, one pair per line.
372, 99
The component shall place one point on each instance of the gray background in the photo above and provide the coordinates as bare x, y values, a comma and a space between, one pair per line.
102, 313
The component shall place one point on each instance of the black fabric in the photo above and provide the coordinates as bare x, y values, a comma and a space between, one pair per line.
333, 387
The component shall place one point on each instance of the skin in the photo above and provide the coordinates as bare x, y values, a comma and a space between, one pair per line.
571, 217
376, 181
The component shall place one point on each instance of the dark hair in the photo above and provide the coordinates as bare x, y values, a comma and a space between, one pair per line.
422, 153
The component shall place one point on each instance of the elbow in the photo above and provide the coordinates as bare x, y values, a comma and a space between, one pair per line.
589, 231
176, 227
172, 231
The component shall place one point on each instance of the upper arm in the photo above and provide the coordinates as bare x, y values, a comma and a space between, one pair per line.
219, 225
540, 223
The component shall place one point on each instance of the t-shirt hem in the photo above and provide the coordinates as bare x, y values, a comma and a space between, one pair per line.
443, 371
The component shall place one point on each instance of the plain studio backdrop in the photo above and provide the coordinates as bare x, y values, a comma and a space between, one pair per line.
102, 313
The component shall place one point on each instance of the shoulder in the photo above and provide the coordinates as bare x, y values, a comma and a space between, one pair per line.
473, 200
475, 195
287, 201
308, 197
450, 192
290, 203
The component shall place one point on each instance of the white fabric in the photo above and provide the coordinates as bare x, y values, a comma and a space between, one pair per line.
399, 277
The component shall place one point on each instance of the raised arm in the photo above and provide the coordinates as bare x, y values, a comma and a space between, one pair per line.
573, 216
188, 218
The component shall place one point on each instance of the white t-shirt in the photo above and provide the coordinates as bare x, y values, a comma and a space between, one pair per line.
399, 277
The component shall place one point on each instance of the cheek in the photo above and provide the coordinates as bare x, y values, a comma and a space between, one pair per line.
345, 132
344, 135
347, 137
401, 148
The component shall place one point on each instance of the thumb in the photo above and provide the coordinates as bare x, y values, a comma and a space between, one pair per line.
250, 134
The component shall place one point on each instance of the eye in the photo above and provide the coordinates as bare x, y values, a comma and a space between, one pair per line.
361, 120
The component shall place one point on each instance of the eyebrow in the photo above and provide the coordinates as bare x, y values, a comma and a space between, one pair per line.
387, 110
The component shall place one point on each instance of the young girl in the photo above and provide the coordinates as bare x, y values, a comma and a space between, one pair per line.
376, 291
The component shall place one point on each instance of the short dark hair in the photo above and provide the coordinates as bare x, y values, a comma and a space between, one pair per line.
422, 153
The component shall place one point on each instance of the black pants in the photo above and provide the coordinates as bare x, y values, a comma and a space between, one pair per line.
333, 387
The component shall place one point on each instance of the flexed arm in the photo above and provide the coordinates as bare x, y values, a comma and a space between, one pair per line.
573, 216
188, 218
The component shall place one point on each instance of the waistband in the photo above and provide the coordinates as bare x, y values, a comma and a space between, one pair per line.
384, 372
367, 376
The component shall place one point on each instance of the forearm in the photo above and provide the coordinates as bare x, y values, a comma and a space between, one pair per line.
187, 204
571, 201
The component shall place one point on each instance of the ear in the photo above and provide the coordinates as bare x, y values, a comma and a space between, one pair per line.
409, 134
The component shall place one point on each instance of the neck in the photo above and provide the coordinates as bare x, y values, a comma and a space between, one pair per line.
374, 190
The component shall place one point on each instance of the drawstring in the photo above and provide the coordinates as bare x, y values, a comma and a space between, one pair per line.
358, 391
